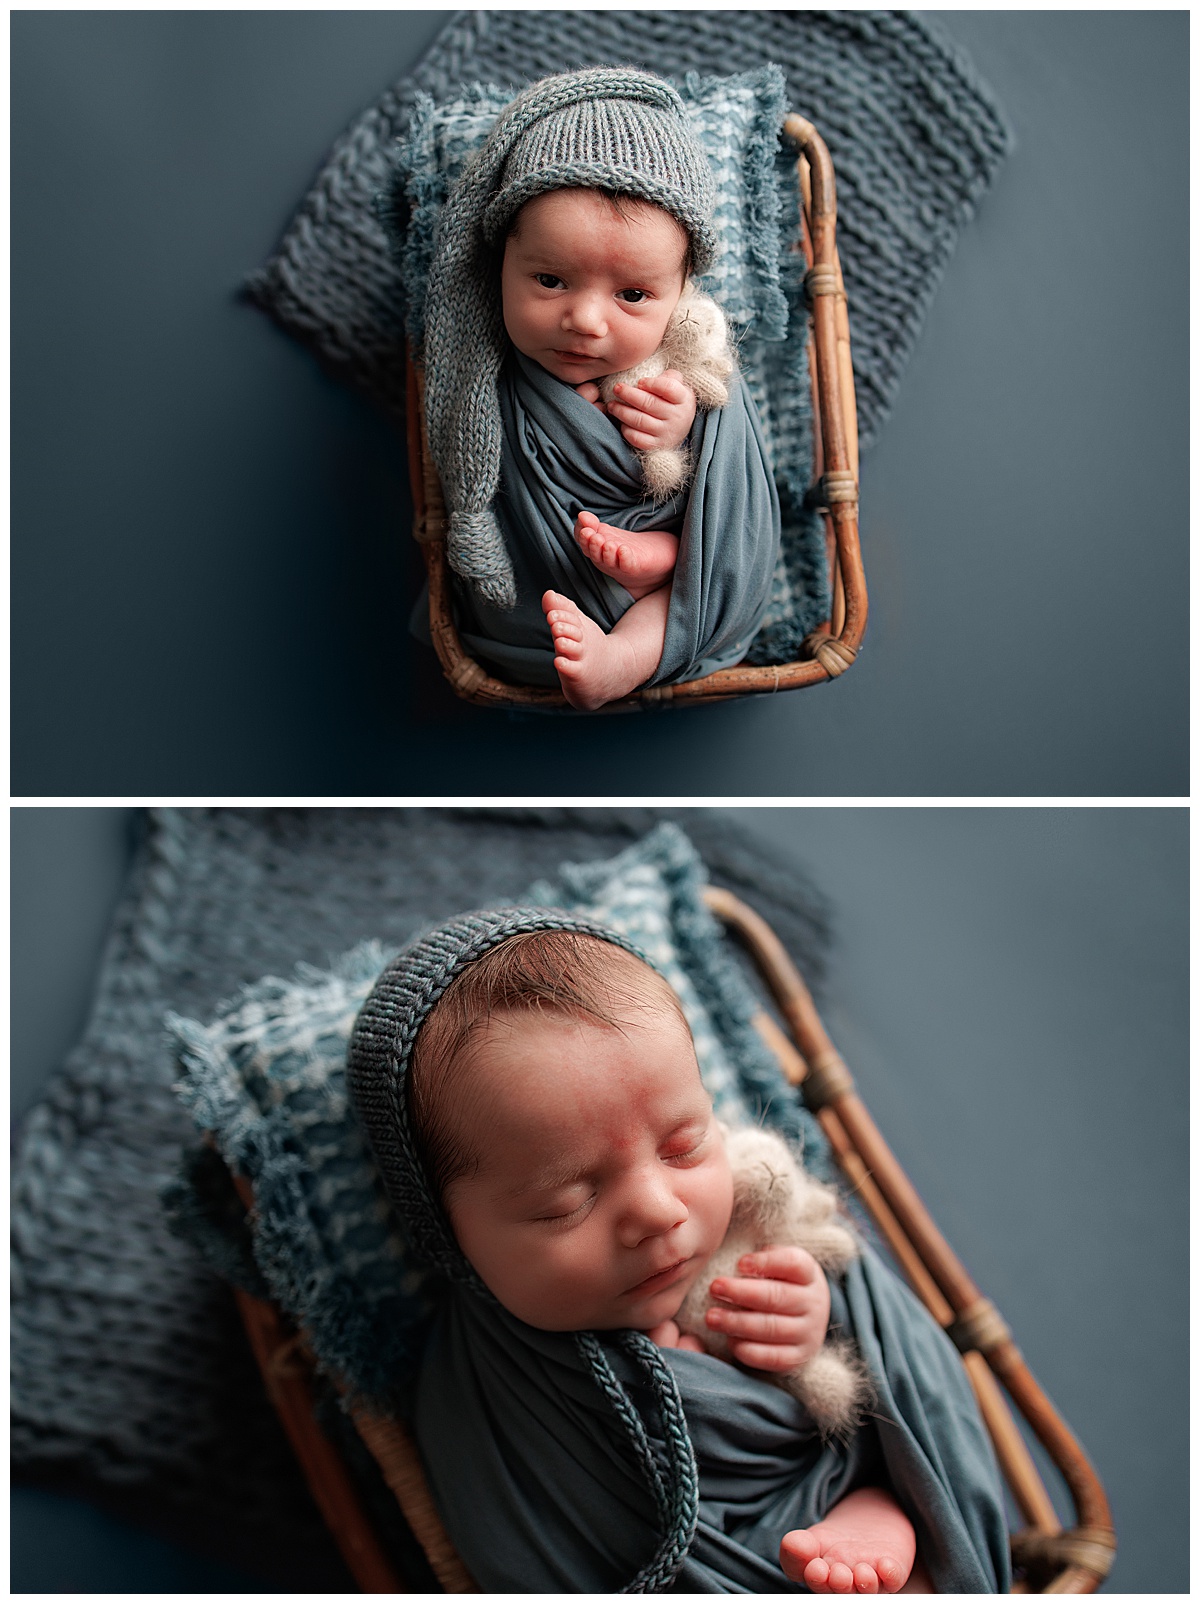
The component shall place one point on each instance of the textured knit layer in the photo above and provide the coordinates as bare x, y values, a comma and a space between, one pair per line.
602, 128
915, 137
132, 1384
607, 128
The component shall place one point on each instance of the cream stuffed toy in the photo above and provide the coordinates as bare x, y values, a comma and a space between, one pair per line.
775, 1204
697, 345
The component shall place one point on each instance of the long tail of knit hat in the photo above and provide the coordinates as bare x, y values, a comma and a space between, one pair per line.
610, 128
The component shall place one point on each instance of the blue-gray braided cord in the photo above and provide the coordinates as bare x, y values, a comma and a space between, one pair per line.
678, 1494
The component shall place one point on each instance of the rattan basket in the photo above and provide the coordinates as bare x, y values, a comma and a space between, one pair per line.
830, 649
1046, 1558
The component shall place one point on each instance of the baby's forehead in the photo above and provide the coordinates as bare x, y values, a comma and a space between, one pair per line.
568, 979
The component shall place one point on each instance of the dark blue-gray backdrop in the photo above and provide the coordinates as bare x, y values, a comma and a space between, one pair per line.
211, 567
1009, 986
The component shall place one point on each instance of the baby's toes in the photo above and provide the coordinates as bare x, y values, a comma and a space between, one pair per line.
890, 1574
568, 641
841, 1578
816, 1574
865, 1579
797, 1550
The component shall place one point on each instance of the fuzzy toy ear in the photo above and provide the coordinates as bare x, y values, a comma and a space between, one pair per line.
697, 343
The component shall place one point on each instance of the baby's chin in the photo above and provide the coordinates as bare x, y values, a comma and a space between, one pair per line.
621, 1313
664, 1305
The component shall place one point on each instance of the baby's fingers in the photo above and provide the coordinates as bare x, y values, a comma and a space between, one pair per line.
782, 1264
773, 1328
763, 1296
639, 439
654, 414
668, 385
779, 1358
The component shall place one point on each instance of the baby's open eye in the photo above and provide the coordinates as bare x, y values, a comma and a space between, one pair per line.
631, 297
549, 281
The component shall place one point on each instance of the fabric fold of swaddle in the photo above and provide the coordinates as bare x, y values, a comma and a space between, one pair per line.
560, 455
540, 1491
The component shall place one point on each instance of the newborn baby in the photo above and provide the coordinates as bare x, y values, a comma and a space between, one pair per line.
589, 287
555, 1099
560, 256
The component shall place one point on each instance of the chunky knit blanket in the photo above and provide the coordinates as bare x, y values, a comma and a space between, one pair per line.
131, 1380
915, 138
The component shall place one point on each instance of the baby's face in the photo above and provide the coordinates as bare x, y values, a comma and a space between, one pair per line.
586, 291
603, 1184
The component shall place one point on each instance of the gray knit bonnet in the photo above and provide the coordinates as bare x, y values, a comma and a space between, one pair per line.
380, 1052
377, 1066
610, 128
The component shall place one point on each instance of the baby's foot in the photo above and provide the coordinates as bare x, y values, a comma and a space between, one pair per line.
593, 668
640, 560
865, 1544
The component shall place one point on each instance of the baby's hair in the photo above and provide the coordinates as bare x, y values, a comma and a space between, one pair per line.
561, 972
626, 206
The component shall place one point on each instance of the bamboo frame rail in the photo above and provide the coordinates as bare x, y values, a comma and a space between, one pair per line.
1073, 1561
833, 647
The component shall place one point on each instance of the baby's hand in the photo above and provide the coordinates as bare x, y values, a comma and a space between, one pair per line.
654, 413
591, 392
668, 1335
775, 1314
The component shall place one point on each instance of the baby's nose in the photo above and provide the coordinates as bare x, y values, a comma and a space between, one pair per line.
584, 314
654, 1210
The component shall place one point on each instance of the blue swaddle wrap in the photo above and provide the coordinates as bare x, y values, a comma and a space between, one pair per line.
540, 1490
561, 455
